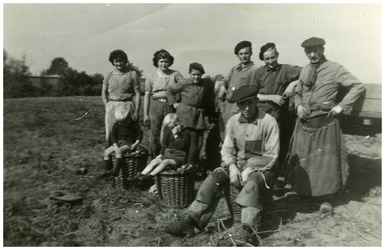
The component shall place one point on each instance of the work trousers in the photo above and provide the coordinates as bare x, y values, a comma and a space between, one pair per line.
213, 189
196, 144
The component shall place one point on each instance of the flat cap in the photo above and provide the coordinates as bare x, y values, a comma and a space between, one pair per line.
196, 66
313, 42
241, 45
244, 93
265, 48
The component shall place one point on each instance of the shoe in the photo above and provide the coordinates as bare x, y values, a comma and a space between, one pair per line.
250, 234
181, 228
144, 178
250, 230
118, 166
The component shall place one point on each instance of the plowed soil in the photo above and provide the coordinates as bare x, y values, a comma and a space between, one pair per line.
48, 148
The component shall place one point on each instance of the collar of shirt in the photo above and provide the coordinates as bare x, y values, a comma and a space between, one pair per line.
117, 72
268, 69
162, 75
252, 120
240, 68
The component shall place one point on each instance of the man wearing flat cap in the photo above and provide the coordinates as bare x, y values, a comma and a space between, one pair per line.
238, 76
318, 165
276, 85
249, 153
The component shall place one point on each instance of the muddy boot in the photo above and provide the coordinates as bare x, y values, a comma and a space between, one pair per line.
181, 228
251, 221
118, 165
249, 235
107, 168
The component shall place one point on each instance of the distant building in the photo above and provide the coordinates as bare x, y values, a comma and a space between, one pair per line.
37, 81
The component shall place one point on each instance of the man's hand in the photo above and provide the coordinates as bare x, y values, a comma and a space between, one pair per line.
235, 176
159, 156
335, 111
115, 147
277, 99
176, 104
146, 120
290, 90
302, 113
246, 173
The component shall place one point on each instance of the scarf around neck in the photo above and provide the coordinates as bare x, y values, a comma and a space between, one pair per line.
312, 76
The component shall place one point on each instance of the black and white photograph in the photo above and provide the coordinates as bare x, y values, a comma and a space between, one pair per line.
207, 124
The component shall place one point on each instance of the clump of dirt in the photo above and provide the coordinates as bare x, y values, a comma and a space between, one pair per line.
47, 149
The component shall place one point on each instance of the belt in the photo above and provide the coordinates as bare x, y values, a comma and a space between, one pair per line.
159, 98
120, 99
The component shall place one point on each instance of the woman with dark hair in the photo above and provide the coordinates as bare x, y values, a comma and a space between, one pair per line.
196, 102
156, 105
121, 88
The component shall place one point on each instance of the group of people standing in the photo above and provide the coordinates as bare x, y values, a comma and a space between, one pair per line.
264, 133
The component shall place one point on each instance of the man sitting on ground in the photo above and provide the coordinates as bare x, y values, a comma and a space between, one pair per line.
249, 153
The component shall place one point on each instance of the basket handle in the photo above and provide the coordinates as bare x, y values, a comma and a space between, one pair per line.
142, 151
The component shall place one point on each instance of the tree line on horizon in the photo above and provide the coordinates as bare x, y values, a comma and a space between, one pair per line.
70, 82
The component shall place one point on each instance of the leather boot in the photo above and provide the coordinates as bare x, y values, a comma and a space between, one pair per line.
107, 168
144, 178
118, 166
181, 228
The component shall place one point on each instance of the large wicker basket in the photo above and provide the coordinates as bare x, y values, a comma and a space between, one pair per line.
176, 190
235, 209
135, 163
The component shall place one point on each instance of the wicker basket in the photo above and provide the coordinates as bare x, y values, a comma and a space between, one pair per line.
176, 190
135, 163
236, 210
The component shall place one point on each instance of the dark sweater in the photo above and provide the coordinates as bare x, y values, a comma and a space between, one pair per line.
181, 143
130, 132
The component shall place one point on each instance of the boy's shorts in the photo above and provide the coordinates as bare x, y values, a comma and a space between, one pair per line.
122, 143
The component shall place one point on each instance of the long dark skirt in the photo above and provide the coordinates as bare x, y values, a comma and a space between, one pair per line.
317, 162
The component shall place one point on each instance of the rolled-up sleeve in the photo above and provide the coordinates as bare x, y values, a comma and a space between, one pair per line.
149, 83
298, 94
229, 153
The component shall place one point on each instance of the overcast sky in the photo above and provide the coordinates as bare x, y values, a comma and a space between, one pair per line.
85, 34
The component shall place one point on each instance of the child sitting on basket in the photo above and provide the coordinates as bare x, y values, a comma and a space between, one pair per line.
176, 142
125, 137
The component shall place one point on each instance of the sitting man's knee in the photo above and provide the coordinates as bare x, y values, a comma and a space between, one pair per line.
255, 178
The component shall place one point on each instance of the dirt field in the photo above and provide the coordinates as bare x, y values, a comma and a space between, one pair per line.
47, 150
